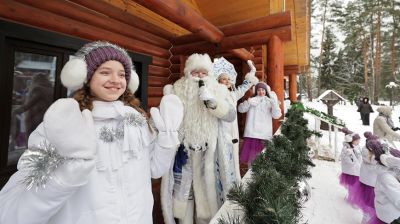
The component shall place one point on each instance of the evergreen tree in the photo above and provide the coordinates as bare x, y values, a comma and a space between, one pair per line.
327, 76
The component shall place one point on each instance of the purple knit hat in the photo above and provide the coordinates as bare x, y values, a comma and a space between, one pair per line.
80, 69
377, 148
96, 53
263, 85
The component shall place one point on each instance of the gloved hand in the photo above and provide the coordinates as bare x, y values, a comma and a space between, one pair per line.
168, 89
205, 94
254, 101
167, 120
274, 98
74, 172
70, 130
251, 76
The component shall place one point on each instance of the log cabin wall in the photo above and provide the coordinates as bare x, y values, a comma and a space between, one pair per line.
101, 22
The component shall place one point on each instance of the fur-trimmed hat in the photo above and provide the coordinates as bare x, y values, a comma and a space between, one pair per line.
223, 66
81, 68
386, 110
198, 61
349, 135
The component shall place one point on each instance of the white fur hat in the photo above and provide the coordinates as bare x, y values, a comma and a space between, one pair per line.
81, 68
198, 61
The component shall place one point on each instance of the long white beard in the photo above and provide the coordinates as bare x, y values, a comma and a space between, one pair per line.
199, 126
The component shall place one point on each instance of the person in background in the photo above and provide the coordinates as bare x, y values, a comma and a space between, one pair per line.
92, 158
228, 145
365, 109
383, 125
189, 190
260, 109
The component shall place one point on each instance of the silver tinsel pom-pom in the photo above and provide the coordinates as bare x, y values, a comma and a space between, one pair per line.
40, 162
135, 119
304, 191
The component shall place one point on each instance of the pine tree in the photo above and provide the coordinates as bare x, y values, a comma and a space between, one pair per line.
327, 76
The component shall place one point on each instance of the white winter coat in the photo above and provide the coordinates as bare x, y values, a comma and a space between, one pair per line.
351, 159
118, 189
387, 195
368, 168
260, 111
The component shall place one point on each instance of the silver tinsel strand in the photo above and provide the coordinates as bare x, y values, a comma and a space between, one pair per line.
110, 135
135, 119
40, 161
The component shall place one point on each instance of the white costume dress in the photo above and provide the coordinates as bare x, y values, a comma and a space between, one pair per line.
351, 159
117, 190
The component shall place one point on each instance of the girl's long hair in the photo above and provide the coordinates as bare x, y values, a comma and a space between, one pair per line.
85, 99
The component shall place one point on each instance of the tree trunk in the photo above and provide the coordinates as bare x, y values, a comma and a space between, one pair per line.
365, 60
372, 57
322, 46
378, 56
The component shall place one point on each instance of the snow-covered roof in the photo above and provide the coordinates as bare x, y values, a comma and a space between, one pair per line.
330, 95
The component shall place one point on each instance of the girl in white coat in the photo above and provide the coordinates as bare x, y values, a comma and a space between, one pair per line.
92, 158
260, 111
351, 162
387, 187
229, 146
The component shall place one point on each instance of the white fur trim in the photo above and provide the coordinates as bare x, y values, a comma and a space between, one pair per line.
168, 89
198, 61
180, 208
133, 82
252, 78
74, 74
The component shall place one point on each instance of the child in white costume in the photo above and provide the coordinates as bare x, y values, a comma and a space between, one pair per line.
228, 147
387, 187
260, 110
101, 153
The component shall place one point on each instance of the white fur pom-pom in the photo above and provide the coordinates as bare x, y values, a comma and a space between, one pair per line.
74, 73
133, 82
168, 89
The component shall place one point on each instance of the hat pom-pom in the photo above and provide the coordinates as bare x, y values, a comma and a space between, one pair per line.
74, 74
133, 82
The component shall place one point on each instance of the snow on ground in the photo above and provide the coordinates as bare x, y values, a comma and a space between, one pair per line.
327, 203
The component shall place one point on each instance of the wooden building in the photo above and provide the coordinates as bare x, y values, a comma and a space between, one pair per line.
38, 37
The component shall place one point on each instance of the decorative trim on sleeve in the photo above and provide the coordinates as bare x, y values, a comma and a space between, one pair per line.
40, 162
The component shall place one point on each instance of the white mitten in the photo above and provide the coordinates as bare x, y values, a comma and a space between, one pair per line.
70, 130
254, 101
168, 89
273, 97
167, 120
74, 172
251, 76
205, 94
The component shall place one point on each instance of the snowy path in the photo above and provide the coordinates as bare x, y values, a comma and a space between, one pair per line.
327, 203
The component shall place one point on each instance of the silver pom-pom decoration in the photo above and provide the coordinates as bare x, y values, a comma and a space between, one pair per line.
106, 134
40, 162
304, 191
135, 119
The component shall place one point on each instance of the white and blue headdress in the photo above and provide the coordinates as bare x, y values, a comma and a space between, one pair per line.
222, 66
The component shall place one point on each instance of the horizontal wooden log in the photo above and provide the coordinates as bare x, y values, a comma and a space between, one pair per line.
45, 20
242, 54
162, 62
115, 13
238, 41
175, 59
155, 91
153, 101
257, 24
159, 71
80, 13
258, 53
181, 14
247, 26
175, 68
258, 60
158, 81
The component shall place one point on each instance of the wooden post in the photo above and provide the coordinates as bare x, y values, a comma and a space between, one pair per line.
293, 87
275, 72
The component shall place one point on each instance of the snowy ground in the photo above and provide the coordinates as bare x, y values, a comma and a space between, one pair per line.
327, 204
